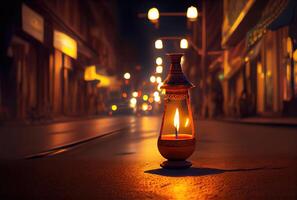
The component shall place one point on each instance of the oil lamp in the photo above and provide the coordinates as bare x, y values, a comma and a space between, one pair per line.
176, 141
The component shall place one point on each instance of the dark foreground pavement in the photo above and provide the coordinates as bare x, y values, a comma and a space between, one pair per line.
231, 161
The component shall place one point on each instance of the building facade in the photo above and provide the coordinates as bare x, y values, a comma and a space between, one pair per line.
260, 73
45, 49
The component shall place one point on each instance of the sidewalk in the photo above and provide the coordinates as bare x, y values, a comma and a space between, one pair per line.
285, 121
20, 141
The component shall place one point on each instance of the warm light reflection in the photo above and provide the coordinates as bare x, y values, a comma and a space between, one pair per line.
295, 55
187, 122
182, 60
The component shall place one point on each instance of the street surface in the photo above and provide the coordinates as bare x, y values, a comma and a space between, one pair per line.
231, 161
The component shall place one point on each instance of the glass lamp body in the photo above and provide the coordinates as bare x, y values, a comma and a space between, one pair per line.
176, 141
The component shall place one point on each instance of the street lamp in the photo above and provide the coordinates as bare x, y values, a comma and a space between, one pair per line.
153, 15
159, 61
159, 69
158, 44
183, 43
192, 13
176, 141
127, 76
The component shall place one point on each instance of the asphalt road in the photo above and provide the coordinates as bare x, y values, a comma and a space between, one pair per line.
231, 161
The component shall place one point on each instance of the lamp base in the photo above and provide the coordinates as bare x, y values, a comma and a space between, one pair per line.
176, 164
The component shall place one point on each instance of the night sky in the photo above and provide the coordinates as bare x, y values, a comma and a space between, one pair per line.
140, 33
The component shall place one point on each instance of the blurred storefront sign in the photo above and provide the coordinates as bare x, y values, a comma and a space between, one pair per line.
105, 81
65, 43
32, 23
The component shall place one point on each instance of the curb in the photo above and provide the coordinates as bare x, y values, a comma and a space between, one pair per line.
286, 124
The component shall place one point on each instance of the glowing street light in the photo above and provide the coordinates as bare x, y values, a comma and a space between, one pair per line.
192, 13
127, 76
153, 79
183, 44
159, 44
159, 61
159, 69
153, 15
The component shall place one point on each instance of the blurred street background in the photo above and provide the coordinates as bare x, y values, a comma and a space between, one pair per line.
81, 102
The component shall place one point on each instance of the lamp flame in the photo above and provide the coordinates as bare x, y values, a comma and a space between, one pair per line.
176, 119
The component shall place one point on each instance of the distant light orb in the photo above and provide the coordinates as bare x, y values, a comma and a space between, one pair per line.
124, 95
159, 69
157, 98
135, 94
151, 100
127, 76
182, 60
114, 107
156, 93
158, 79
153, 14
153, 79
133, 100
184, 43
192, 13
158, 44
159, 86
159, 61
144, 106
145, 97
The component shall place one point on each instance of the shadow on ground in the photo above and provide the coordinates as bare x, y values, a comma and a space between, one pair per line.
194, 171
